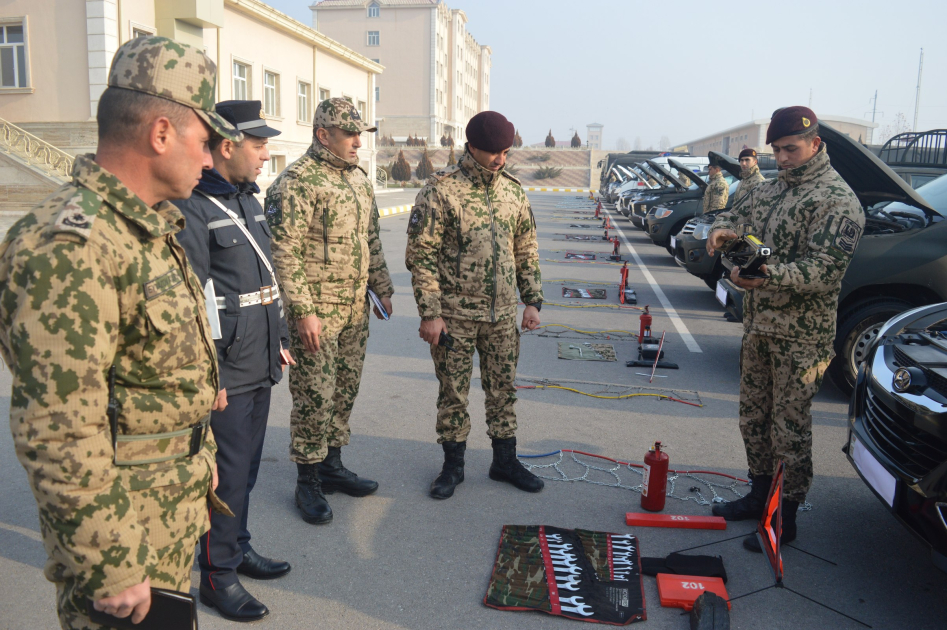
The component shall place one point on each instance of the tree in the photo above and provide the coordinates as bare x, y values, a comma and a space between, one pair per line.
576, 141
550, 141
451, 160
665, 143
898, 125
517, 140
401, 171
637, 143
443, 140
425, 169
622, 145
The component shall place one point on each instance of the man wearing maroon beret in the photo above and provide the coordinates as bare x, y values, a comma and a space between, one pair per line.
471, 245
750, 175
812, 221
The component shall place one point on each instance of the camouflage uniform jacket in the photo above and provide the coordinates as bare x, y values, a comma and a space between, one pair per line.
813, 221
326, 246
685, 180
716, 194
91, 278
471, 243
749, 178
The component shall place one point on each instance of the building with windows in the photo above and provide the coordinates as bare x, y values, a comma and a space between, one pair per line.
55, 55
436, 74
593, 135
752, 135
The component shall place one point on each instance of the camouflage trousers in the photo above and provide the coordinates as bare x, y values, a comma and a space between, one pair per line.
778, 380
499, 348
324, 385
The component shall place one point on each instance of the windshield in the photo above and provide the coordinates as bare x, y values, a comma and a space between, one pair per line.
934, 193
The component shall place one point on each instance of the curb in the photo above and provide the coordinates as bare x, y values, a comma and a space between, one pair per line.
388, 212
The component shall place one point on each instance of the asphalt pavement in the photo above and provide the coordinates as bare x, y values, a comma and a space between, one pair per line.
399, 559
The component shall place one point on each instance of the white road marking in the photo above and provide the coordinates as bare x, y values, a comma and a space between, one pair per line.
671, 313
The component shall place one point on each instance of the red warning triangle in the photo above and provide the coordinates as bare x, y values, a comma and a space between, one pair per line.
770, 527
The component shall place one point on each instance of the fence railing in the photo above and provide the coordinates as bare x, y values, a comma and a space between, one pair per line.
56, 163
381, 177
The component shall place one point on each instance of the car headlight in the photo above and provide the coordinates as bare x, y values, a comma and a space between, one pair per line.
702, 231
660, 213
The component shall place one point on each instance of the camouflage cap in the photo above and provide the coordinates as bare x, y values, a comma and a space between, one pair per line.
168, 69
341, 113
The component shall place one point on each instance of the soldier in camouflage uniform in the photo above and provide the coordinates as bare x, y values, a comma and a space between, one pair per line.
685, 180
750, 175
326, 247
813, 221
96, 290
717, 191
471, 243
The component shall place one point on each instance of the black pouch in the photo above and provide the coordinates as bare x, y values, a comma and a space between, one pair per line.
679, 564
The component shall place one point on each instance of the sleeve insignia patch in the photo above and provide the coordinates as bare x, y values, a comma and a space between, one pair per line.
847, 235
273, 209
415, 224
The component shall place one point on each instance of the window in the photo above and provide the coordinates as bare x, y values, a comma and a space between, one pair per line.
140, 32
373, 38
12, 57
241, 81
373, 10
276, 164
377, 60
271, 93
362, 111
377, 93
323, 94
303, 92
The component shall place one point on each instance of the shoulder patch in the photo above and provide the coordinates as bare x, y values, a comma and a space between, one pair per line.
78, 214
273, 209
511, 177
846, 236
415, 223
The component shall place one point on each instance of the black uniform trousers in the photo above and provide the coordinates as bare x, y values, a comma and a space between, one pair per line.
239, 431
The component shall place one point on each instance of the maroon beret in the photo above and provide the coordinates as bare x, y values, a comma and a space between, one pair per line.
490, 132
790, 121
747, 153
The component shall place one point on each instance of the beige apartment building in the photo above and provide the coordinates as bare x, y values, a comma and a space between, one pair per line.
436, 74
752, 135
61, 51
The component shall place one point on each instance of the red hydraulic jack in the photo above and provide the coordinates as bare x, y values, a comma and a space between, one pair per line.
598, 209
616, 255
626, 295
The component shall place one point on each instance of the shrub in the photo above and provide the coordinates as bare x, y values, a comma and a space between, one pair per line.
512, 169
547, 172
517, 140
451, 160
425, 169
550, 140
576, 141
542, 157
401, 171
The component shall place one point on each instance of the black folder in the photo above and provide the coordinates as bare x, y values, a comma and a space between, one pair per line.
170, 610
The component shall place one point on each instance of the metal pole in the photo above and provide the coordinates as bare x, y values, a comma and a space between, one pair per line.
874, 108
917, 97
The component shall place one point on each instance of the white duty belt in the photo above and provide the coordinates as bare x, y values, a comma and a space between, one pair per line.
266, 295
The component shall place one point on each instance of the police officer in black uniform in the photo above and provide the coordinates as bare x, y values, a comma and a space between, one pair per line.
252, 333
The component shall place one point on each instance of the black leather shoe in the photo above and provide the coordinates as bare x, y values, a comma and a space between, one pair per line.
752, 543
310, 499
452, 473
233, 603
259, 568
749, 507
335, 476
506, 467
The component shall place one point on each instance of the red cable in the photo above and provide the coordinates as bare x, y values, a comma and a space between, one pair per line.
680, 472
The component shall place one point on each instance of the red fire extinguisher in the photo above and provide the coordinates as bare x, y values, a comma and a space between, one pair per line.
645, 326
655, 482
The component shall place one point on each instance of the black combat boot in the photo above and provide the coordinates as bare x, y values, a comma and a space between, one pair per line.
453, 471
506, 467
790, 508
335, 476
750, 506
310, 499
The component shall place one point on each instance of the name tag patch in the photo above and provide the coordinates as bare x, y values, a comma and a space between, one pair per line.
163, 284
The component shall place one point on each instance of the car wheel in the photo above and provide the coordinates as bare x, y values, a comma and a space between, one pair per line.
857, 329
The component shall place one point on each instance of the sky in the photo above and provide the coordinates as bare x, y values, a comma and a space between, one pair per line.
688, 69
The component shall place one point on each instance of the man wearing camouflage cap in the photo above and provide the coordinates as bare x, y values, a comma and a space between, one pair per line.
327, 251
98, 302
750, 176
812, 221
717, 191
471, 244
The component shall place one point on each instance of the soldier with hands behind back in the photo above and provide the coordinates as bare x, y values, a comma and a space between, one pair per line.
717, 191
812, 221
228, 243
750, 176
328, 254
95, 291
471, 244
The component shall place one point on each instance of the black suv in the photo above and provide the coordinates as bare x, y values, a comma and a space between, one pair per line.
638, 208
898, 415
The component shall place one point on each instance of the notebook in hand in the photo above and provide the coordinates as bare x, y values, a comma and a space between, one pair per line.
170, 610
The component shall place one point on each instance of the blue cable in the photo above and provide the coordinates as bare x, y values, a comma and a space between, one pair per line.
543, 455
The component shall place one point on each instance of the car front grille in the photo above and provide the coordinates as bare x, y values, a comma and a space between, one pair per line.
914, 451
689, 227
937, 382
